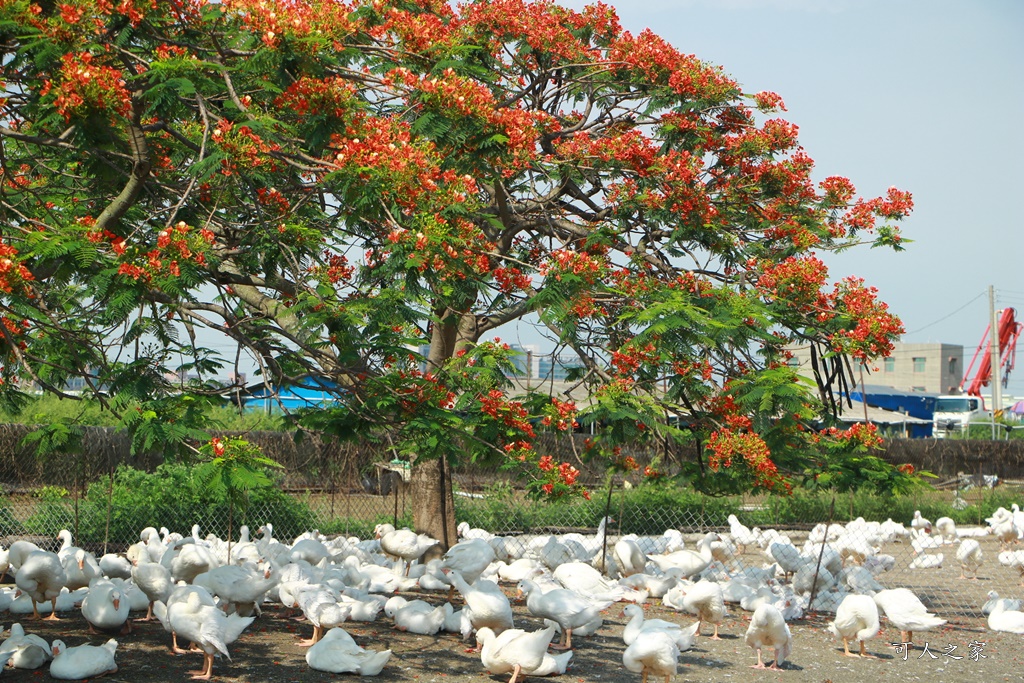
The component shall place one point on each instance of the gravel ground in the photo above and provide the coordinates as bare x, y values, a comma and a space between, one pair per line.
268, 652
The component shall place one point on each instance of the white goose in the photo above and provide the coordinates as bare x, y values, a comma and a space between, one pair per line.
323, 608
24, 650
469, 558
67, 547
338, 653
970, 557
768, 628
84, 661
416, 616
208, 627
403, 543
856, 619
638, 626
514, 650
41, 576
1002, 619
241, 587
686, 563
906, 612
993, 597
152, 578
920, 523
655, 653
486, 605
567, 608
742, 536
629, 557
105, 608
706, 600
80, 568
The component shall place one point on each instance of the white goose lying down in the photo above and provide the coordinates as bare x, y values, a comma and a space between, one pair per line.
24, 650
84, 661
338, 653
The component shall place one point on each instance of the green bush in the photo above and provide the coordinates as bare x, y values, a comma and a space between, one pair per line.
167, 497
9, 524
652, 508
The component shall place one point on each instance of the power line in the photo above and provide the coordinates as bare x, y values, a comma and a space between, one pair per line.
948, 315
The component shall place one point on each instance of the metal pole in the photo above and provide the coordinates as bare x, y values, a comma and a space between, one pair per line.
864, 394
997, 398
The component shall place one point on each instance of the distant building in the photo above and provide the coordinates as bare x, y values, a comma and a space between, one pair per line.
927, 368
530, 363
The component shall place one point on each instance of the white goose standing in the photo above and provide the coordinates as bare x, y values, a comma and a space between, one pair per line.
567, 608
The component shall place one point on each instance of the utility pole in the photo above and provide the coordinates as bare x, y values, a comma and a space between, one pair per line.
997, 387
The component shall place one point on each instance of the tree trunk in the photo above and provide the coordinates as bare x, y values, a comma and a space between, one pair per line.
433, 505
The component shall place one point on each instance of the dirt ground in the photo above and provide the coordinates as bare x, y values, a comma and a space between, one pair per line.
268, 653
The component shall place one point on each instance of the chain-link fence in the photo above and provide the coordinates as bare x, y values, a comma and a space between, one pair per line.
833, 543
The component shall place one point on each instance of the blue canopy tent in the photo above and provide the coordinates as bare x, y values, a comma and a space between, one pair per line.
917, 404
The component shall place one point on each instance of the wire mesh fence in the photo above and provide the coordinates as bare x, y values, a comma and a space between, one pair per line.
833, 543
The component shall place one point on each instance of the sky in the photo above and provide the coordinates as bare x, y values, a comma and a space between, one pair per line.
926, 95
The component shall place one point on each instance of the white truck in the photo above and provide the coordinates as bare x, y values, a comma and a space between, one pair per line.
953, 414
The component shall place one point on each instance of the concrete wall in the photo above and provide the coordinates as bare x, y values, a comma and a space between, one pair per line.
932, 368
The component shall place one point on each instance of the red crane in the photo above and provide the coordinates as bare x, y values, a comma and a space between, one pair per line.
1009, 331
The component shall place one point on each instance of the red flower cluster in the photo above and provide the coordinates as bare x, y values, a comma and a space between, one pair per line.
661, 63
652, 473
510, 413
587, 266
534, 25
12, 273
337, 269
796, 282
725, 444
631, 150
862, 215
628, 359
420, 32
173, 246
510, 279
323, 97
626, 464
243, 148
768, 101
723, 405
419, 390
872, 329
861, 434
86, 86
561, 414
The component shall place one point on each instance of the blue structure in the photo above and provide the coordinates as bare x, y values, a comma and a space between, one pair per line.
312, 392
914, 403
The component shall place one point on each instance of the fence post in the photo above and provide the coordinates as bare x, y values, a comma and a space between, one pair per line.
821, 551
110, 505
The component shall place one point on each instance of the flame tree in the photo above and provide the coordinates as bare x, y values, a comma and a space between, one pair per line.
336, 184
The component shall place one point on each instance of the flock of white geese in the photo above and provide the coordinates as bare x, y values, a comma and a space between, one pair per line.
206, 591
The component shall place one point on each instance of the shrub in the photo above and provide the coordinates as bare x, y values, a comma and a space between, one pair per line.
169, 497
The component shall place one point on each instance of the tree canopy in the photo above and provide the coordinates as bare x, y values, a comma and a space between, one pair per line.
335, 185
